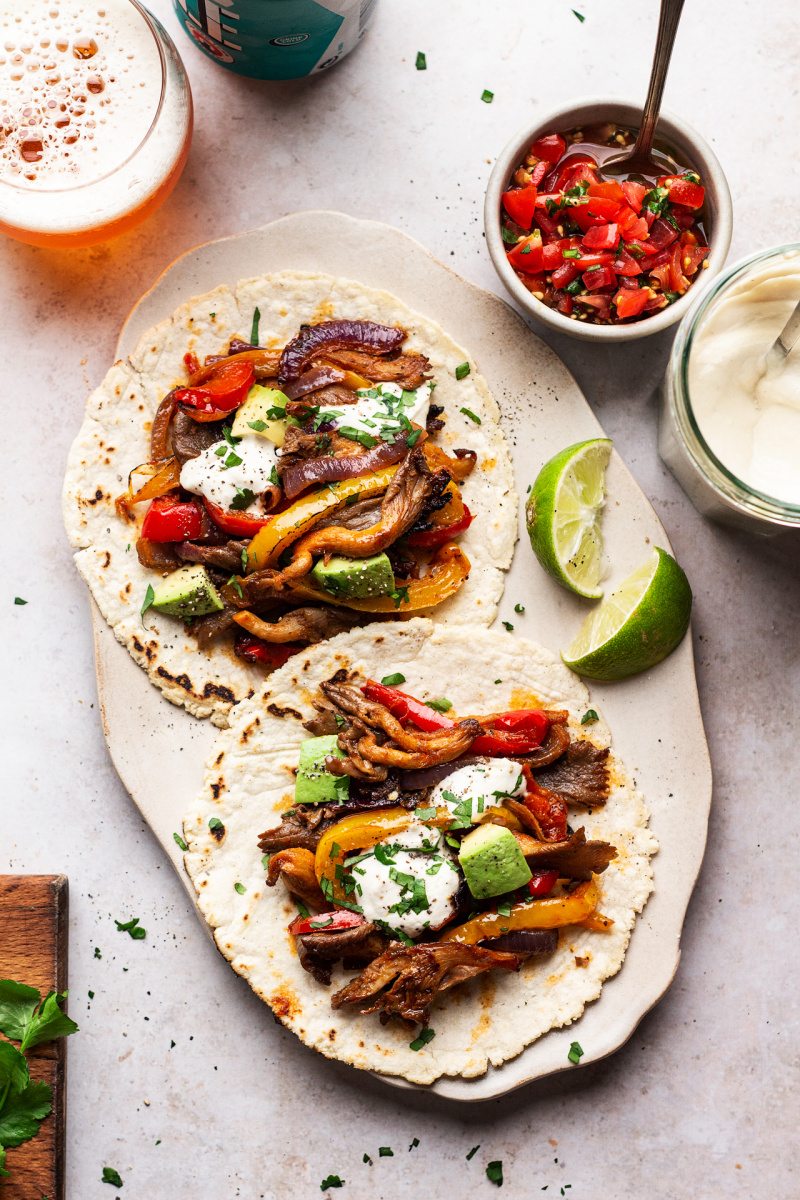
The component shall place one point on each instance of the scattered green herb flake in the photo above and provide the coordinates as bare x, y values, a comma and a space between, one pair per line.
473, 1151
393, 680
400, 596
19, 600
339, 719
254, 327
240, 888
259, 426
451, 841
580, 16
519, 608
234, 583
97, 953
425, 814
158, 1141
180, 842
414, 1144
367, 1159
472, 416
91, 994
215, 823
331, 1182
498, 681
385, 1152
589, 717
265, 861
336, 850
443, 705
507, 625
243, 499
111, 1176
149, 597
462, 370
425, 1035
301, 908
494, 1172
486, 96
171, 1045
132, 927
575, 1052
421, 63
504, 908
509, 238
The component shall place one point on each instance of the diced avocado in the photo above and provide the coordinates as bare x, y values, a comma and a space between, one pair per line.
314, 784
356, 578
187, 592
258, 415
492, 861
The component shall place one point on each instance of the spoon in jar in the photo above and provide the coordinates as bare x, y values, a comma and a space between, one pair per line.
641, 159
783, 344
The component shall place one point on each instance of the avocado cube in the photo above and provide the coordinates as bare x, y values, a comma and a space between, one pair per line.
355, 578
187, 592
492, 861
257, 415
316, 785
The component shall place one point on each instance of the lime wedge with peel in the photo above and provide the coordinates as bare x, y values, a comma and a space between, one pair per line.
563, 516
638, 625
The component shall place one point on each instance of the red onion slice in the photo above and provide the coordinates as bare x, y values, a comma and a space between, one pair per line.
412, 781
326, 470
311, 381
337, 335
525, 941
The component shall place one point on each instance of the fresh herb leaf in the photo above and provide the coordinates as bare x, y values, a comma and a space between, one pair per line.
259, 426
215, 823
421, 63
23, 1111
425, 1035
498, 681
507, 625
451, 841
444, 705
575, 1052
301, 908
180, 842
656, 200
265, 861
473, 1151
414, 1144
254, 327
472, 416
494, 1171
462, 370
424, 814
385, 1152
149, 597
358, 435
19, 600
234, 583
393, 680
519, 608
132, 927
581, 18
413, 438
509, 238
383, 855
486, 96
109, 1174
462, 812
400, 596
575, 287
13, 1068
97, 953
243, 499
589, 717
240, 888
504, 908
331, 1182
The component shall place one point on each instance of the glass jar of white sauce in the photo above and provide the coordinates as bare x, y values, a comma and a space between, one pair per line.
730, 433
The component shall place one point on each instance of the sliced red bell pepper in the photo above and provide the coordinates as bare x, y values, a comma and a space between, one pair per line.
527, 720
341, 919
547, 807
630, 303
542, 882
601, 237
527, 254
683, 191
406, 708
170, 519
634, 193
549, 148
497, 741
437, 537
191, 362
271, 654
224, 391
239, 524
519, 204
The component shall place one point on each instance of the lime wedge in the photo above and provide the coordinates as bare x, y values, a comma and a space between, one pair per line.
638, 625
563, 516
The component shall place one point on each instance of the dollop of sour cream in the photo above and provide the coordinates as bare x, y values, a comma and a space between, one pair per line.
412, 886
749, 417
216, 473
380, 408
471, 791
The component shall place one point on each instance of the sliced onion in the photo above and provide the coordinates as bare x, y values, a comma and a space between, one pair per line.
348, 466
337, 335
525, 941
311, 381
413, 781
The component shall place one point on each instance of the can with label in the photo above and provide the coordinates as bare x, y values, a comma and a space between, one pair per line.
276, 39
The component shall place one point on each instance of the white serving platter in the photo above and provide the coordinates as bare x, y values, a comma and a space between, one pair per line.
159, 750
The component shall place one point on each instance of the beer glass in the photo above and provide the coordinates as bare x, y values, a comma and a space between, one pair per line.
96, 117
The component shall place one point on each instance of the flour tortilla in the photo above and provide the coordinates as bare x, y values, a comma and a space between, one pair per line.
249, 782
115, 437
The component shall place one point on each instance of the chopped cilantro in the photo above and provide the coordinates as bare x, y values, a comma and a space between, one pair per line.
425, 1036
444, 705
504, 908
494, 1172
589, 717
393, 680
509, 238
358, 435
301, 908
383, 853
19, 600
259, 426
339, 719
180, 842
473, 1151
367, 1159
414, 438
575, 1052
111, 1176
244, 559
424, 814
498, 681
385, 1152
462, 370
486, 96
24, 1016
97, 953
240, 888
656, 200
265, 861
581, 18
400, 596
472, 416
414, 1144
215, 823
331, 1182
451, 841
234, 583
519, 608
243, 499
149, 596
132, 927
254, 327
462, 812
507, 625
421, 63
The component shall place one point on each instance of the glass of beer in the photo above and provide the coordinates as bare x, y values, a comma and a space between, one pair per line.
95, 119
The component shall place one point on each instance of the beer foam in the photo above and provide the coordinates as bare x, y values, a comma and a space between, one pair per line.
80, 84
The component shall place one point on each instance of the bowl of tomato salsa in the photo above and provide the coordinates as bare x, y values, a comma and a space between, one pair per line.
599, 256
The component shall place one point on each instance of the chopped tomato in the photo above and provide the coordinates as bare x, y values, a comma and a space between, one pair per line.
548, 225
683, 217
565, 274
662, 234
552, 256
550, 148
224, 391
271, 654
601, 237
691, 258
565, 170
634, 193
626, 218
595, 210
683, 191
661, 273
599, 277
538, 173
534, 283
169, 519
527, 254
597, 258
519, 204
565, 304
677, 280
629, 303
343, 918
437, 537
626, 264
239, 524
610, 190
639, 229
542, 882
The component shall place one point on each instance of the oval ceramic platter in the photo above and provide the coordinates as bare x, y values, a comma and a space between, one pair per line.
159, 750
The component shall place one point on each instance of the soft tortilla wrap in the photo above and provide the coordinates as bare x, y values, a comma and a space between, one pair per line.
250, 781
115, 437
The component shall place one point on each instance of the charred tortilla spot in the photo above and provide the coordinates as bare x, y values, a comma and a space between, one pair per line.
216, 788
331, 1035
137, 645
218, 831
183, 680
106, 559
378, 640
150, 652
219, 758
127, 589
284, 1005
218, 689
277, 711
98, 496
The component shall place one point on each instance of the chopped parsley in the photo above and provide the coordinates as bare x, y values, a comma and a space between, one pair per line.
656, 200
519, 608
19, 600
509, 238
215, 823
494, 1171
462, 370
486, 96
234, 583
259, 426
367, 1159
462, 812
385, 1152
425, 1036
589, 717
240, 888
507, 625
421, 63
575, 1052
243, 499
424, 814
254, 327
149, 597
400, 596
111, 1176
414, 1144
331, 1182
473, 1151
24, 1016
581, 18
132, 927
472, 416
444, 705
393, 680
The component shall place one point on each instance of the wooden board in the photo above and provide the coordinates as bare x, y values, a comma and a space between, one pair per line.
33, 950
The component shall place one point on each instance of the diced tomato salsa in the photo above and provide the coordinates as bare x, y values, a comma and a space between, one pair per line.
600, 249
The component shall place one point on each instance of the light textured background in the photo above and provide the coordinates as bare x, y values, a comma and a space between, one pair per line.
700, 1101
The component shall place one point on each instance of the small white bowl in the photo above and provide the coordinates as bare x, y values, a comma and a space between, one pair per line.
672, 132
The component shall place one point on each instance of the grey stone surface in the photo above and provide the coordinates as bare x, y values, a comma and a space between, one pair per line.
700, 1102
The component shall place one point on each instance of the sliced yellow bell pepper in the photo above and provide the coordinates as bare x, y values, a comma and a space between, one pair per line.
552, 913
449, 567
269, 543
452, 512
359, 832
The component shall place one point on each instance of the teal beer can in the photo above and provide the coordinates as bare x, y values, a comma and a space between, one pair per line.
275, 39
